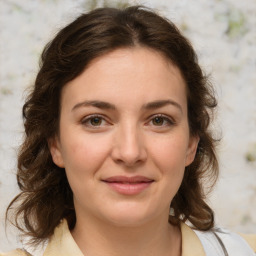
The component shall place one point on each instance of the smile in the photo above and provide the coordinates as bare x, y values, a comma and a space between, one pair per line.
128, 185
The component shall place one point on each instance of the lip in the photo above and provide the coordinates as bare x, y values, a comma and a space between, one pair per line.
128, 185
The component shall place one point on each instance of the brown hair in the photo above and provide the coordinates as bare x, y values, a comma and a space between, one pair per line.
45, 196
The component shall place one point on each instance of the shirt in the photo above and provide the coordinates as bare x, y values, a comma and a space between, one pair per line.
194, 243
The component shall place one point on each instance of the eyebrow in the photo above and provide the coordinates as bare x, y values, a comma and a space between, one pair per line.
161, 103
106, 105
94, 103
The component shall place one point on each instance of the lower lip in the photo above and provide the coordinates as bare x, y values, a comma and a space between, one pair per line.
129, 188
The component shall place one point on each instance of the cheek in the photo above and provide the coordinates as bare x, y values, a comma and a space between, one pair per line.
170, 152
84, 154
169, 155
83, 158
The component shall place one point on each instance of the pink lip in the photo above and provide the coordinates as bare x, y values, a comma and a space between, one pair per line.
128, 185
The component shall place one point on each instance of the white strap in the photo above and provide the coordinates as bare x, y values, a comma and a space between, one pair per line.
234, 244
210, 243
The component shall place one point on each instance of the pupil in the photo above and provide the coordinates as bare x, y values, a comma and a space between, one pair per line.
96, 121
158, 121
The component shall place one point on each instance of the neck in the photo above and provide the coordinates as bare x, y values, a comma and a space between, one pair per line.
95, 238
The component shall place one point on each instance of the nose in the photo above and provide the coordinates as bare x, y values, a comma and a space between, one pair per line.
129, 148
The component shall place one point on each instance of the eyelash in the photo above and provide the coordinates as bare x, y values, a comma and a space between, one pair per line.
85, 121
168, 120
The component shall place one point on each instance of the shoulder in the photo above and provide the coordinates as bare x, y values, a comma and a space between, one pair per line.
221, 240
250, 239
60, 243
18, 252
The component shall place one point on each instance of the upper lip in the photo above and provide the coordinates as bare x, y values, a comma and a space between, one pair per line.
125, 179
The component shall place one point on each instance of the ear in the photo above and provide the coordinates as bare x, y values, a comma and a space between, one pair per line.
54, 146
192, 148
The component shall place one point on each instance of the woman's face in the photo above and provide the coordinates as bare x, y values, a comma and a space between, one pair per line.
124, 138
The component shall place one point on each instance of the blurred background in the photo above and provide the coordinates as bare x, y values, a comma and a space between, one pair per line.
223, 33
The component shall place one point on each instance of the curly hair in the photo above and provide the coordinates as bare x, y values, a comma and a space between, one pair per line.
46, 196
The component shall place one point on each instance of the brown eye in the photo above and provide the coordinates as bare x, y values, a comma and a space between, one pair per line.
161, 121
158, 121
95, 121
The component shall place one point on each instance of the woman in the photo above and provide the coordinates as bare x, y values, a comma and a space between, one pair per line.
118, 146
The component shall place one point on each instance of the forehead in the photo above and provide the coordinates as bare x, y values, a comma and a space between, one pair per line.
146, 57
138, 71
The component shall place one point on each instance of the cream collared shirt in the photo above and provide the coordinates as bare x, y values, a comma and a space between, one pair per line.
63, 244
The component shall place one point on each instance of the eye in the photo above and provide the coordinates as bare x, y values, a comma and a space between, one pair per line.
94, 121
161, 120
158, 120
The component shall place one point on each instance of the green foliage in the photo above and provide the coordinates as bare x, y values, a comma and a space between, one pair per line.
92, 4
5, 91
184, 26
250, 157
236, 23
251, 154
246, 219
117, 4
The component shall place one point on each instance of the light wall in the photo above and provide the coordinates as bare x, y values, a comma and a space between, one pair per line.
223, 34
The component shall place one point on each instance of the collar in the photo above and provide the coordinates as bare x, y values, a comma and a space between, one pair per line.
191, 245
62, 242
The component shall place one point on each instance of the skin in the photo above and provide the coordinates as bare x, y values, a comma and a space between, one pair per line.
130, 137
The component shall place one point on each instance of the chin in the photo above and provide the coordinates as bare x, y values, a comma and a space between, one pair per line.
129, 221
129, 217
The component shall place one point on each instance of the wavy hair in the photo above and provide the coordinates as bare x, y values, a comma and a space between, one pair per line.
46, 196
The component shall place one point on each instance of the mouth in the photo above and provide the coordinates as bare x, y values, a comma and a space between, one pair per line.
128, 185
